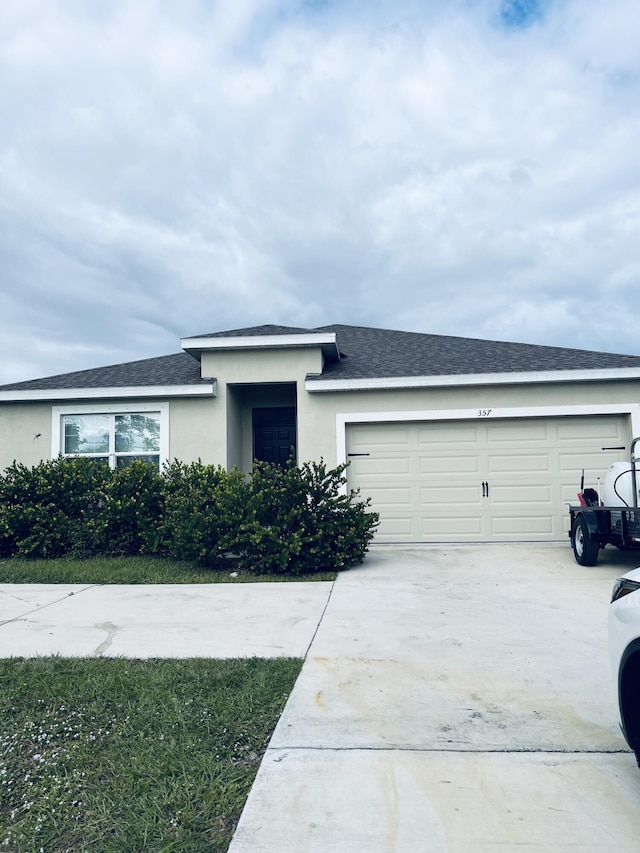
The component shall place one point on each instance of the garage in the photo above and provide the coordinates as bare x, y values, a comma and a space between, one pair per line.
482, 480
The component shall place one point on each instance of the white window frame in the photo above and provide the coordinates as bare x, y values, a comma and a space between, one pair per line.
57, 431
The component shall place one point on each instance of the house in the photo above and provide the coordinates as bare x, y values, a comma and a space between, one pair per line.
454, 439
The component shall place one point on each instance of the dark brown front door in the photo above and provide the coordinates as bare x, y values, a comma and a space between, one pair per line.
274, 434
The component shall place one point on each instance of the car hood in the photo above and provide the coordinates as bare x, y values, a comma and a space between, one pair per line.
634, 574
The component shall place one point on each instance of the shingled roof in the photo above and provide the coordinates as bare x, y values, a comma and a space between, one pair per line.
365, 353
176, 369
380, 353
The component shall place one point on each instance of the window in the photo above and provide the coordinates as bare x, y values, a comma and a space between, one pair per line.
115, 436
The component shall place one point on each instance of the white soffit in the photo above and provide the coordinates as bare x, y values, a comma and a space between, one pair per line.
44, 394
466, 379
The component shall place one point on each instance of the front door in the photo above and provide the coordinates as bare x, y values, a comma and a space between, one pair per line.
274, 434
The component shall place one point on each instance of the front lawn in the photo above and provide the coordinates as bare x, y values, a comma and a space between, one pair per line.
118, 755
133, 570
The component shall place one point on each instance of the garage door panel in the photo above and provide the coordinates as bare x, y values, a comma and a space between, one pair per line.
449, 465
390, 497
588, 458
522, 463
380, 436
451, 495
445, 527
372, 466
525, 494
522, 525
513, 482
593, 460
590, 428
435, 434
400, 527
569, 493
505, 434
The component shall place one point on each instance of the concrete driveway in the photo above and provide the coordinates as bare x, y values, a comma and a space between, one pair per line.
454, 699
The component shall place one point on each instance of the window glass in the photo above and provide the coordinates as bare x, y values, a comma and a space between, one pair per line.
138, 433
116, 438
86, 433
125, 461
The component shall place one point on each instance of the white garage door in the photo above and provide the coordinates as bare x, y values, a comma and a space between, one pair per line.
480, 481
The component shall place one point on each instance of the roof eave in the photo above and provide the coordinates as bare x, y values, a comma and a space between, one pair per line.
327, 341
318, 385
41, 395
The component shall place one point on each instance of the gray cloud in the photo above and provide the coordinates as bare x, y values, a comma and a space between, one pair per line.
171, 169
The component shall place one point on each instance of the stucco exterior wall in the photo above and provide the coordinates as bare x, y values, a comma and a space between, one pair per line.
197, 430
234, 430
20, 423
247, 378
317, 412
218, 429
256, 366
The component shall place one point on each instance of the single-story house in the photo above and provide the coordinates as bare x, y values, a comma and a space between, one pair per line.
454, 439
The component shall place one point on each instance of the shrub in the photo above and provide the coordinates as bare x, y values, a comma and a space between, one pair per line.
274, 530
79, 507
345, 526
302, 520
131, 508
47, 510
204, 507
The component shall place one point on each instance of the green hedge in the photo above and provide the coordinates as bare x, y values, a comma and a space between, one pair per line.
203, 508
297, 520
50, 510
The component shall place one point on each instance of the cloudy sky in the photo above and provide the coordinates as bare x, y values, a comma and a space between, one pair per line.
460, 167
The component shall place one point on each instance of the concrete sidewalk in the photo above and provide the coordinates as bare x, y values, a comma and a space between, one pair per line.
164, 620
454, 699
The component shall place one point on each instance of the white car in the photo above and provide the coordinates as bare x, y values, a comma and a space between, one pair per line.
624, 651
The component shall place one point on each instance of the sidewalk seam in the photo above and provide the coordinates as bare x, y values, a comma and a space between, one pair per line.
44, 606
324, 610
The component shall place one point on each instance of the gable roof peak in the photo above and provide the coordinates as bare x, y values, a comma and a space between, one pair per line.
263, 337
267, 329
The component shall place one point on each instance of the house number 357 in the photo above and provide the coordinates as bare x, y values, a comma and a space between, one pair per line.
484, 413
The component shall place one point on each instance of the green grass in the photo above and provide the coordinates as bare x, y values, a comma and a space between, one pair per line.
132, 570
115, 755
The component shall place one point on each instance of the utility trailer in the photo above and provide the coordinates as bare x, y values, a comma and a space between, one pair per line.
614, 521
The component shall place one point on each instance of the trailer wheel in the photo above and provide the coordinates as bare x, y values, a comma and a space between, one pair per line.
585, 549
